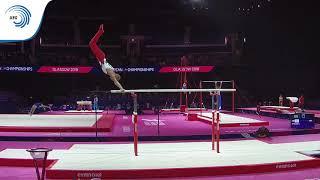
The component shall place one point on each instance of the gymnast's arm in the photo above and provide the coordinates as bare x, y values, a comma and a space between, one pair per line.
116, 82
45, 106
112, 76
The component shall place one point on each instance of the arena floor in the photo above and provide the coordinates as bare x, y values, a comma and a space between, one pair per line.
175, 159
228, 120
116, 124
184, 158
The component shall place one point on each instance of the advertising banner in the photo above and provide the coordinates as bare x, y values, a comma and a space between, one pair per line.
193, 69
65, 69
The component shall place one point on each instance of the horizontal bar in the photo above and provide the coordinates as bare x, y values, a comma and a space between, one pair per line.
171, 90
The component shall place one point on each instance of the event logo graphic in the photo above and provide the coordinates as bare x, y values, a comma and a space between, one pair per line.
20, 20
19, 15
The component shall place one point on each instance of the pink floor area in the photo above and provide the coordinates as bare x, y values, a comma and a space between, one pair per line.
289, 139
177, 125
310, 174
16, 173
170, 125
67, 145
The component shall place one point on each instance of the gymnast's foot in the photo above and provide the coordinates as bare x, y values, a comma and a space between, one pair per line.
101, 28
122, 90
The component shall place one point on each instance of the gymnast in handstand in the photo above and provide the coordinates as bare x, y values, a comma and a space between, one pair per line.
101, 57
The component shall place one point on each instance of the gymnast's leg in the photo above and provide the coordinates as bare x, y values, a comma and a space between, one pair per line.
95, 48
33, 108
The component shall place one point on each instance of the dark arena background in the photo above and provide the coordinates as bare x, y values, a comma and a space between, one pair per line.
213, 89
